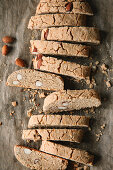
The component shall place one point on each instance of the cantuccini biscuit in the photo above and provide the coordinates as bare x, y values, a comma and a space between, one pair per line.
34, 159
58, 120
55, 20
64, 7
73, 154
28, 78
58, 48
70, 135
73, 34
55, 65
71, 100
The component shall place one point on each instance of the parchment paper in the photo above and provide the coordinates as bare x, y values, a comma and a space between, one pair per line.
14, 17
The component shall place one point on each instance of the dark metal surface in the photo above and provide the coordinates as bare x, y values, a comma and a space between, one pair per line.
14, 16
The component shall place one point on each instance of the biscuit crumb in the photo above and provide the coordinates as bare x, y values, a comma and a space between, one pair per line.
103, 126
103, 67
97, 62
12, 113
29, 112
108, 84
41, 95
14, 104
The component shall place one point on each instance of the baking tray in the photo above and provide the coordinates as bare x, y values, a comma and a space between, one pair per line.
14, 17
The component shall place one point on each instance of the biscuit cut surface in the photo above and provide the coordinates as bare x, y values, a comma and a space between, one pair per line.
59, 48
72, 135
71, 100
73, 154
33, 79
62, 67
73, 34
34, 159
76, 7
58, 120
55, 20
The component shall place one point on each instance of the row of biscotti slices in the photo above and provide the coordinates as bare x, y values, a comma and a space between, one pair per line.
63, 100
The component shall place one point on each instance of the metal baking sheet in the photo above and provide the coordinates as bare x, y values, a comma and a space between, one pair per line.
14, 17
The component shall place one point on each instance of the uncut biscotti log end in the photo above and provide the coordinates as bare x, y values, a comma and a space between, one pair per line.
64, 7
34, 159
70, 135
56, 20
55, 65
58, 120
71, 100
58, 48
72, 34
73, 154
28, 78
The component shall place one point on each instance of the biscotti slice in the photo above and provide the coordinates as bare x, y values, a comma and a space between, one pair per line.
70, 135
55, 65
73, 154
58, 120
55, 20
33, 79
34, 159
73, 34
71, 100
64, 7
58, 48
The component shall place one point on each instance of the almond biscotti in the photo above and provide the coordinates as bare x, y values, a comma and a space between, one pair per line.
55, 20
55, 65
73, 34
33, 79
58, 120
64, 7
71, 100
34, 159
59, 48
73, 154
72, 135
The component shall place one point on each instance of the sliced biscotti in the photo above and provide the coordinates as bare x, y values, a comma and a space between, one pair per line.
58, 48
71, 100
34, 159
64, 7
73, 34
33, 79
55, 20
58, 120
73, 154
55, 65
72, 135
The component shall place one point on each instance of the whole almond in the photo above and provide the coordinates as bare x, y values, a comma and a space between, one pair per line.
69, 6
7, 39
19, 62
5, 50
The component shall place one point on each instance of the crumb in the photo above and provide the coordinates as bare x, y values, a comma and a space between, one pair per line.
97, 62
108, 84
41, 95
86, 168
92, 110
91, 86
89, 128
0, 123
94, 68
28, 141
14, 103
29, 112
103, 67
40, 111
103, 126
86, 111
12, 113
